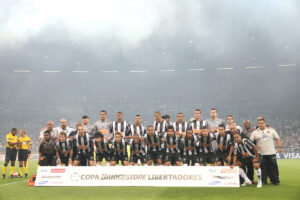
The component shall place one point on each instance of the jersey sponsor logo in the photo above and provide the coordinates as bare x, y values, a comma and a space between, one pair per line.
58, 170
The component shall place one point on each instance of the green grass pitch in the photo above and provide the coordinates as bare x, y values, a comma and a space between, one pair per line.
289, 189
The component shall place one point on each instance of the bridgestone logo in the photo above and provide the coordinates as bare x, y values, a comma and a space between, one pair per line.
164, 177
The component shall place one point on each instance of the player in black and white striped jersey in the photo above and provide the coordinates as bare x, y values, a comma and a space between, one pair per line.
197, 124
223, 142
119, 150
137, 127
172, 152
154, 151
180, 125
160, 125
246, 152
120, 126
137, 149
206, 153
190, 142
84, 147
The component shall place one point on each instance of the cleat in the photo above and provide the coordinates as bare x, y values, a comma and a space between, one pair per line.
259, 184
26, 175
3, 176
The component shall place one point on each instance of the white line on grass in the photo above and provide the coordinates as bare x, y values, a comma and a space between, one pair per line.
13, 183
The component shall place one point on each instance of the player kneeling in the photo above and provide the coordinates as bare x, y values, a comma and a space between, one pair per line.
190, 156
102, 149
244, 152
137, 149
84, 147
119, 149
154, 154
64, 150
172, 147
207, 155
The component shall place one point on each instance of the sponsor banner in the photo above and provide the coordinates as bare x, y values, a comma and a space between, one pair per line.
288, 155
169, 176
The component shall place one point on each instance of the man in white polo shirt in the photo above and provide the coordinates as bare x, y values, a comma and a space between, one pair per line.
264, 138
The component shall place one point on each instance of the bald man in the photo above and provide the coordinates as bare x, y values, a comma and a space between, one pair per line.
63, 128
49, 127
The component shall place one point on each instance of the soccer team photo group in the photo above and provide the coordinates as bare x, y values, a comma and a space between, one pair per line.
211, 142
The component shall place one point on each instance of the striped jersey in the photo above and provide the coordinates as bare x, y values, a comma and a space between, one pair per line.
224, 141
206, 140
121, 127
119, 148
197, 126
137, 148
172, 143
140, 130
181, 127
245, 147
153, 142
83, 144
189, 145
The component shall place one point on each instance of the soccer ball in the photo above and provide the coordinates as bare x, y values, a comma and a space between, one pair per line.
14, 174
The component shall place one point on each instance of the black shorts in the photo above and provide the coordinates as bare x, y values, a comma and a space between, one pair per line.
10, 154
101, 156
246, 161
134, 158
154, 155
48, 161
207, 158
22, 154
190, 159
86, 156
172, 157
118, 158
221, 157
